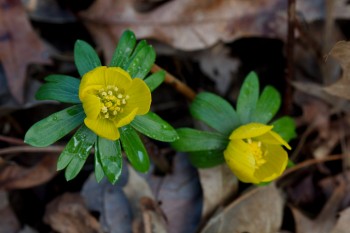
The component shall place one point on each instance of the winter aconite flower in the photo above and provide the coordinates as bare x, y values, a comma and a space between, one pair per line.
112, 99
110, 110
255, 153
246, 137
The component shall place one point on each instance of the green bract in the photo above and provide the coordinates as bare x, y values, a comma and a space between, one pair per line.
137, 60
206, 148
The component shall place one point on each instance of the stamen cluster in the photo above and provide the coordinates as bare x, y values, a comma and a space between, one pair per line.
113, 101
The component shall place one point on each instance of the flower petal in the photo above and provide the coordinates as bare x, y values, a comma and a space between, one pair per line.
116, 76
139, 97
276, 161
92, 106
241, 161
250, 130
103, 128
94, 77
126, 119
274, 139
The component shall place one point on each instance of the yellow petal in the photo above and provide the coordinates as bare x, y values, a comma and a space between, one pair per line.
126, 119
94, 77
276, 161
103, 127
92, 106
241, 161
274, 139
116, 76
139, 97
250, 130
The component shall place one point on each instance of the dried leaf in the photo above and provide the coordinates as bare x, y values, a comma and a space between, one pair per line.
17, 177
180, 196
326, 219
68, 214
341, 52
260, 210
186, 24
153, 218
111, 203
8, 220
218, 184
135, 189
19, 46
343, 223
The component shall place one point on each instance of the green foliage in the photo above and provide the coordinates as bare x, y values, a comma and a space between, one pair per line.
62, 88
196, 140
248, 98
135, 59
154, 127
54, 127
215, 112
285, 126
109, 155
267, 106
124, 49
154, 80
76, 152
134, 149
207, 158
85, 57
206, 148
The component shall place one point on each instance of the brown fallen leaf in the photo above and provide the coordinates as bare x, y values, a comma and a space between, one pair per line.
8, 220
180, 195
185, 24
326, 220
343, 223
153, 219
19, 46
341, 52
260, 210
68, 214
110, 202
218, 184
19, 177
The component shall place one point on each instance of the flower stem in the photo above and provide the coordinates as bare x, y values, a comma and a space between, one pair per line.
176, 83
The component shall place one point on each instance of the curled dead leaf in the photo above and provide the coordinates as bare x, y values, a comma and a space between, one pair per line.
260, 210
68, 214
18, 177
341, 52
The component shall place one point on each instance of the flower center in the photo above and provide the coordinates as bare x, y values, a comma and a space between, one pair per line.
257, 151
113, 101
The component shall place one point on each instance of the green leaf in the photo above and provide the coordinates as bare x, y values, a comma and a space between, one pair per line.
62, 88
76, 152
85, 57
110, 154
248, 98
267, 106
196, 140
141, 64
139, 46
124, 49
134, 149
55, 126
215, 112
99, 173
285, 127
155, 127
154, 80
206, 159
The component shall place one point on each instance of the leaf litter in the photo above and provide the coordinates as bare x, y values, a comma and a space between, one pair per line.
313, 197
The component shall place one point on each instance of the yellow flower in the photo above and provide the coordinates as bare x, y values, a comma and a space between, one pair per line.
255, 153
111, 99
